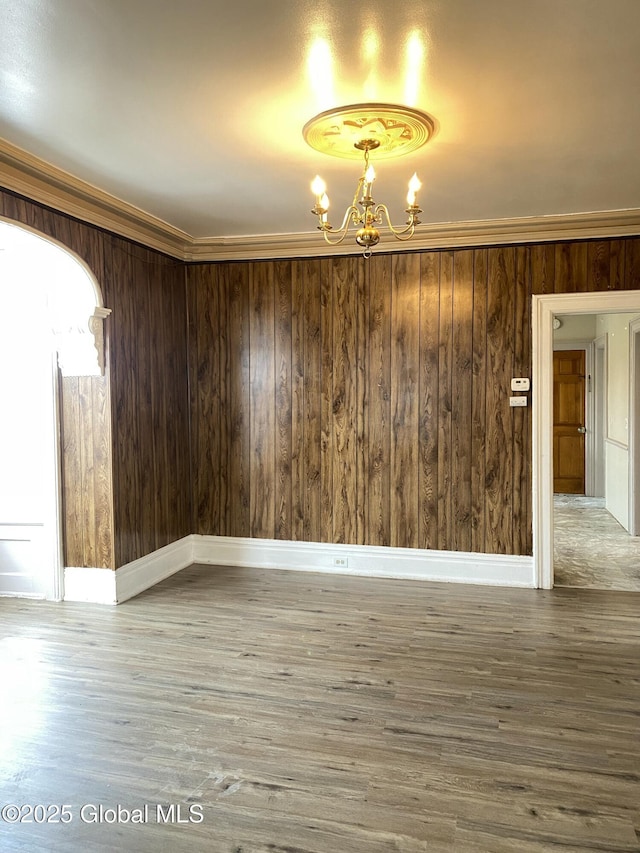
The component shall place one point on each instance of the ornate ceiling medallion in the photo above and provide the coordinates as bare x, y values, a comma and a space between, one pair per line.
392, 130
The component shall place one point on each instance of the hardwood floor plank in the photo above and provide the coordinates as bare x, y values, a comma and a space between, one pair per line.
316, 714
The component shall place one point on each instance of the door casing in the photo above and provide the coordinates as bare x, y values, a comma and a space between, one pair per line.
544, 308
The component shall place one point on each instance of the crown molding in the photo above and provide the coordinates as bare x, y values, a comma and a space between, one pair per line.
38, 180
29, 176
441, 235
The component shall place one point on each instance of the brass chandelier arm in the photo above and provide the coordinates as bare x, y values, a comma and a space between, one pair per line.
405, 233
352, 214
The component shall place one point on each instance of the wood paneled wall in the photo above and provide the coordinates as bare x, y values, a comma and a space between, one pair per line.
331, 400
87, 484
148, 368
125, 436
344, 400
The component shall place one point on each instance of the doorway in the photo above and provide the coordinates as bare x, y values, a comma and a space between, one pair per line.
47, 300
30, 562
546, 308
569, 429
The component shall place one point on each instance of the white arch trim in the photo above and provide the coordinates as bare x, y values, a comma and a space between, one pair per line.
72, 293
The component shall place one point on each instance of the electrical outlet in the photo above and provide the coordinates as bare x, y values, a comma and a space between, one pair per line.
341, 562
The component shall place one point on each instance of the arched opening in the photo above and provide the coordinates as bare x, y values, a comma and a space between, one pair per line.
51, 317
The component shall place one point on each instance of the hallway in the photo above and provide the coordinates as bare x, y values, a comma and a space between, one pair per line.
591, 549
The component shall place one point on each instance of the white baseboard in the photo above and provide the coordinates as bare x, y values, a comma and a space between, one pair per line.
104, 586
366, 560
133, 578
97, 586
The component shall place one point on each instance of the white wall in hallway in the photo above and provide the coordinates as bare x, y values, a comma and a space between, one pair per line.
616, 328
576, 327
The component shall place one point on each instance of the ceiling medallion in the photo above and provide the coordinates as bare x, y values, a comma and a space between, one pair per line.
397, 130
352, 132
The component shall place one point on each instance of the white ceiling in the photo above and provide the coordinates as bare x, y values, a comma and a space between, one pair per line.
193, 110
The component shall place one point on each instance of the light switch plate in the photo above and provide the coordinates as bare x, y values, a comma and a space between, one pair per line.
521, 384
517, 402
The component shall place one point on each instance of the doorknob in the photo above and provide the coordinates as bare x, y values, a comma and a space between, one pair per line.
582, 430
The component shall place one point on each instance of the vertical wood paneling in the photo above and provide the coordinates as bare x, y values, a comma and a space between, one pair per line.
222, 401
616, 264
148, 354
193, 287
445, 379
405, 401
86, 472
102, 497
378, 454
571, 268
316, 273
299, 277
521, 418
478, 399
87, 469
178, 407
72, 493
140, 306
283, 403
119, 268
237, 420
598, 266
206, 382
263, 414
389, 384
543, 272
461, 399
362, 413
630, 279
499, 422
429, 398
344, 295
326, 402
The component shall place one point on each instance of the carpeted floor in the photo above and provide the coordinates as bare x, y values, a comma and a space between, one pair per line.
591, 549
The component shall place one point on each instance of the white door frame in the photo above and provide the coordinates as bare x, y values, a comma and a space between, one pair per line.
634, 427
55, 580
544, 309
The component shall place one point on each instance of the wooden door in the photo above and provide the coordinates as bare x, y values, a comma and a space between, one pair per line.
569, 422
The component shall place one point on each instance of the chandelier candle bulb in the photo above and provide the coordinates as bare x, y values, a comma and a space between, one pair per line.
318, 187
369, 178
324, 204
414, 186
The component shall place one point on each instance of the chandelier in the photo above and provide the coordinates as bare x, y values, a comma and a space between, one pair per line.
355, 131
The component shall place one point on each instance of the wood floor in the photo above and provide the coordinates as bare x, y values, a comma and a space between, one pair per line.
591, 549
323, 714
